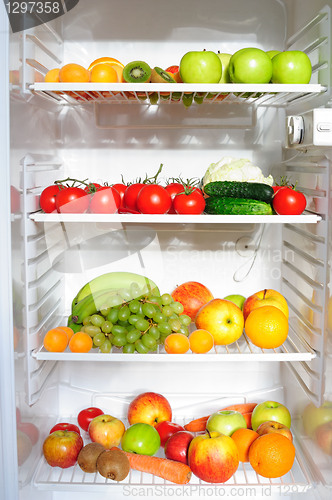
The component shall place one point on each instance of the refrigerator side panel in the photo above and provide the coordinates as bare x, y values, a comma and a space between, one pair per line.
8, 449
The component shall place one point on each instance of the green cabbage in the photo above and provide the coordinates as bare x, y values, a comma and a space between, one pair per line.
232, 169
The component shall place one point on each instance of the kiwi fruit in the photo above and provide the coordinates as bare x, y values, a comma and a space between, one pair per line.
137, 72
113, 464
87, 457
159, 75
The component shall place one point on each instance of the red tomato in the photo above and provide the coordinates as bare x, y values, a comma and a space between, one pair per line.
121, 188
192, 203
173, 189
130, 196
153, 199
47, 199
287, 201
72, 200
92, 187
65, 427
167, 429
85, 416
105, 201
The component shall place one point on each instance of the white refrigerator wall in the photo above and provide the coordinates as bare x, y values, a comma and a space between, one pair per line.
103, 142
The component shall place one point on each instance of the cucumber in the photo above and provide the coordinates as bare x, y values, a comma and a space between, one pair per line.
236, 206
235, 189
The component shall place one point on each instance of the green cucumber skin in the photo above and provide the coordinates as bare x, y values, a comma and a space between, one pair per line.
235, 189
217, 205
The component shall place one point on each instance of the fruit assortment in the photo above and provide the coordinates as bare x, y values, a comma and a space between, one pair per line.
127, 311
247, 65
208, 447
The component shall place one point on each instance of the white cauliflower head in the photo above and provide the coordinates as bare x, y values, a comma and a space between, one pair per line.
233, 169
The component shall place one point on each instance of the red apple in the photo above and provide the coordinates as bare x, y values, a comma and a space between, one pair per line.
223, 319
166, 430
267, 297
192, 295
323, 437
61, 448
149, 408
30, 430
65, 426
271, 426
24, 447
177, 446
213, 457
106, 430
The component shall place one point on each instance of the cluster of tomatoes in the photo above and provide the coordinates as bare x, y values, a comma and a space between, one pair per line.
146, 197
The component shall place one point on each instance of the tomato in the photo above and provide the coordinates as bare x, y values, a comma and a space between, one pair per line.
85, 416
121, 188
72, 200
173, 189
47, 198
153, 199
105, 201
166, 430
191, 202
64, 426
92, 187
288, 201
276, 188
131, 193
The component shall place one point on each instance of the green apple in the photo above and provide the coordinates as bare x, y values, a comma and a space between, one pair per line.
224, 58
203, 66
314, 416
291, 66
270, 410
237, 299
226, 422
250, 65
141, 438
272, 53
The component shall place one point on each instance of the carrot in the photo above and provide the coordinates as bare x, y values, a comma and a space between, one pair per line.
199, 424
177, 472
247, 416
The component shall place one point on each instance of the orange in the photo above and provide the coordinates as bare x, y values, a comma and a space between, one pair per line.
243, 439
69, 331
52, 75
201, 341
80, 342
176, 343
55, 340
116, 65
103, 73
74, 73
266, 327
272, 455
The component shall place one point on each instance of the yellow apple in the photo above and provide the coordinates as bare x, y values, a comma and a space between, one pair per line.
223, 319
267, 297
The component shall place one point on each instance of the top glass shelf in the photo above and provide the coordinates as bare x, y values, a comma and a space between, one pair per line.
177, 93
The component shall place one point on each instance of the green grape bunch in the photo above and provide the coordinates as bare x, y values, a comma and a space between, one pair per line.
132, 322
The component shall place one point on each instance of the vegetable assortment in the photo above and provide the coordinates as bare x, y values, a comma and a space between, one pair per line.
229, 187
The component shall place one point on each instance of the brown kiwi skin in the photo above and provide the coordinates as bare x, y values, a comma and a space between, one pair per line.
156, 76
87, 457
113, 464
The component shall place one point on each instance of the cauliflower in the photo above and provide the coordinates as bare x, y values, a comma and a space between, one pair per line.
232, 169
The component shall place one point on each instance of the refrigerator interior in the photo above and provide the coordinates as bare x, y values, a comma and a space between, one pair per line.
101, 134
